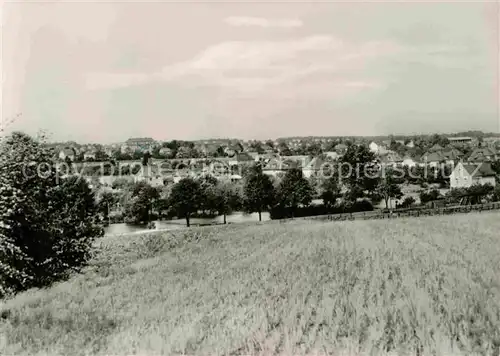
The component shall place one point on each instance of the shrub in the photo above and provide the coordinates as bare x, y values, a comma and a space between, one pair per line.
47, 223
407, 202
429, 196
280, 212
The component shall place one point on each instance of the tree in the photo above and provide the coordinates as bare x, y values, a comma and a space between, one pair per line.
47, 223
208, 199
283, 149
146, 158
100, 155
479, 191
496, 168
185, 198
106, 198
495, 196
270, 144
314, 149
330, 191
161, 204
140, 205
388, 187
408, 202
257, 147
228, 198
294, 190
220, 152
360, 173
258, 191
429, 196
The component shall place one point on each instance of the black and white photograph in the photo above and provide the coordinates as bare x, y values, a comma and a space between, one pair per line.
250, 177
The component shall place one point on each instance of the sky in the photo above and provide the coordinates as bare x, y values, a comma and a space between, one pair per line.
104, 72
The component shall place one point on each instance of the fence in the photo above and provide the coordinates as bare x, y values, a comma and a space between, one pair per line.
379, 214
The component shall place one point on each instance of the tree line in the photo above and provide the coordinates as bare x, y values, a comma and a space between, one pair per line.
48, 223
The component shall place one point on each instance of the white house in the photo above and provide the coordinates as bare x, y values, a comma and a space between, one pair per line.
67, 153
374, 147
466, 175
409, 162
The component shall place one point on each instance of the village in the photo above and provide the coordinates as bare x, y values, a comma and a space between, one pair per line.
170, 161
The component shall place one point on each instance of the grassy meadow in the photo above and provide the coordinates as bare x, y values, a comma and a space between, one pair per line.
428, 286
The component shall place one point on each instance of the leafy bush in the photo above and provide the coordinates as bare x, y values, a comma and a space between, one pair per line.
47, 223
428, 196
407, 202
280, 212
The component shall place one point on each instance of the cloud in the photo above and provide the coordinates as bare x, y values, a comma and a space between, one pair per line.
261, 66
102, 81
262, 22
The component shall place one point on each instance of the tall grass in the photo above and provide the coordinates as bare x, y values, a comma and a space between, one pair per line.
428, 286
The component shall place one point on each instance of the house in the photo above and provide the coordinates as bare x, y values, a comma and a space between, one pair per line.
491, 142
435, 148
89, 155
341, 148
315, 166
374, 147
332, 155
410, 161
434, 159
254, 155
276, 165
452, 156
302, 160
240, 158
67, 153
108, 151
124, 149
483, 154
466, 175
453, 140
151, 175
210, 150
391, 159
230, 152
165, 152
410, 144
140, 144
269, 150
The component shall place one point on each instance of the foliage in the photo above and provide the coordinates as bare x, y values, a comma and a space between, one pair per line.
330, 191
142, 200
259, 191
359, 171
228, 198
407, 202
280, 212
431, 195
495, 195
208, 199
185, 198
106, 199
294, 190
47, 223
475, 193
388, 188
